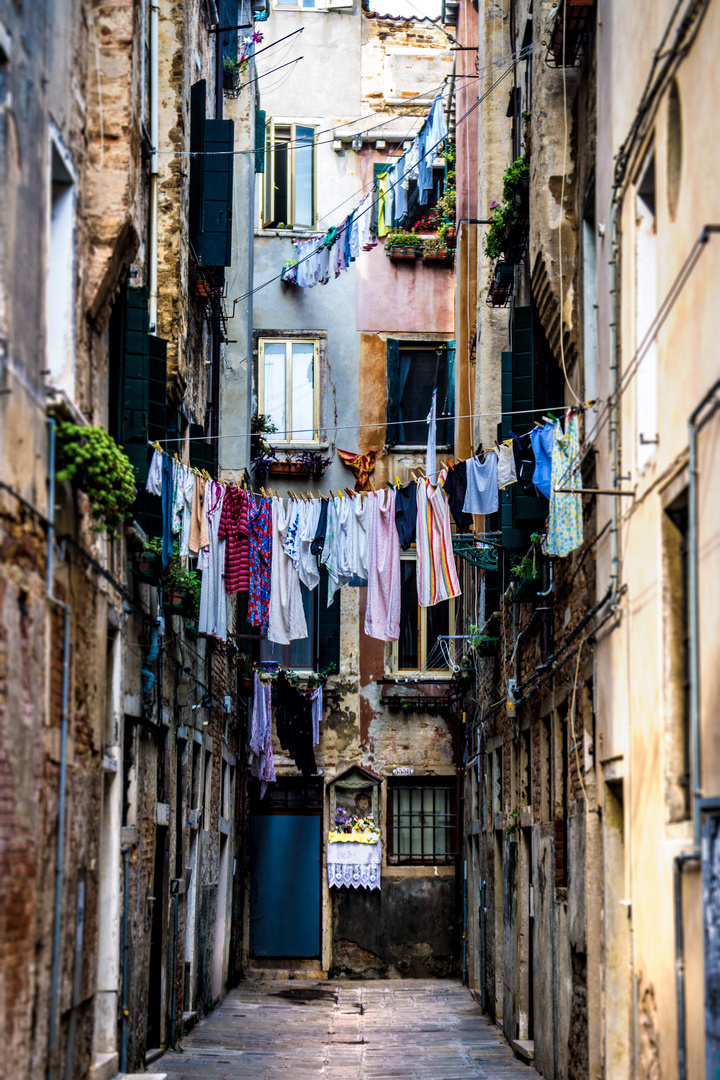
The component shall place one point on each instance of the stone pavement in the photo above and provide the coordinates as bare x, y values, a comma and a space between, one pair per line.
411, 1029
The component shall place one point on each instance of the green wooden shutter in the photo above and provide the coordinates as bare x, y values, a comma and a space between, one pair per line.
393, 390
260, 118
135, 382
197, 142
328, 622
213, 245
202, 452
157, 388
506, 395
230, 17
522, 392
446, 429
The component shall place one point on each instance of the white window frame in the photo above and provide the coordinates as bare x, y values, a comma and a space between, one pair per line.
271, 125
277, 439
61, 265
440, 673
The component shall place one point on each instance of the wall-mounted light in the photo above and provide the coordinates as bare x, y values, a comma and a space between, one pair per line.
357, 143
380, 144
337, 145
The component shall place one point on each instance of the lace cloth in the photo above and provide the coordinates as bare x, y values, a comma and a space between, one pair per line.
354, 865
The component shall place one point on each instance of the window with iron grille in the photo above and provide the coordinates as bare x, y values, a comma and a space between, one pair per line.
422, 821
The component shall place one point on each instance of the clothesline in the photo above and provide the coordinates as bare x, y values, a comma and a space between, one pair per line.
359, 231
358, 427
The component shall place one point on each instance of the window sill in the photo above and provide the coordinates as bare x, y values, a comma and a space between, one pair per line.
283, 234
416, 448
290, 447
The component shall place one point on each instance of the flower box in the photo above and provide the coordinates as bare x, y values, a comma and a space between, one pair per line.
438, 254
487, 646
293, 468
401, 251
148, 566
177, 600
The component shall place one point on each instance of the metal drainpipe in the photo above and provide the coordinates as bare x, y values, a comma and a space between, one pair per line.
679, 862
614, 422
154, 178
483, 946
126, 950
174, 969
60, 855
694, 612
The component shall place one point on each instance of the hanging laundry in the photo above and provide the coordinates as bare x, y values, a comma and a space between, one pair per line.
359, 524
319, 541
234, 530
317, 708
198, 538
153, 484
337, 553
431, 453
262, 765
524, 460
406, 513
455, 485
211, 560
382, 612
260, 556
437, 577
384, 209
542, 443
506, 474
565, 522
481, 496
287, 616
167, 509
363, 465
306, 564
187, 504
294, 723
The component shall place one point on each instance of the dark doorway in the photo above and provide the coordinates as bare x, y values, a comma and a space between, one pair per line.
155, 998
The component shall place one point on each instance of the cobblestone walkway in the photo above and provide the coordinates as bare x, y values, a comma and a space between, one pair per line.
300, 1030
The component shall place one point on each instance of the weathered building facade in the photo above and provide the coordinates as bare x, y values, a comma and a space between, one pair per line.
118, 724
590, 781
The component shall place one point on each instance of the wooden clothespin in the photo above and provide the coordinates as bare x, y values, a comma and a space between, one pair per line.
321, 497
312, 497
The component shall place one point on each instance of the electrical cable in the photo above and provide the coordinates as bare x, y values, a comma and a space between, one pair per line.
391, 187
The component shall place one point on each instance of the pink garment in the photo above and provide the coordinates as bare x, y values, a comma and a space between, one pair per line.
382, 614
261, 748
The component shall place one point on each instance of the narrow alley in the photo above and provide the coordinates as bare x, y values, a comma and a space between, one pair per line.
414, 1029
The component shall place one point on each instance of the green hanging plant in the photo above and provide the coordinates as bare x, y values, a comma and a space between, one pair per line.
504, 211
91, 459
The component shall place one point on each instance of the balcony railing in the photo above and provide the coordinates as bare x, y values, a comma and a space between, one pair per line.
570, 35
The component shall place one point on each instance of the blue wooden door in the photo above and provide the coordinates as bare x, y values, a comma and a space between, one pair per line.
285, 885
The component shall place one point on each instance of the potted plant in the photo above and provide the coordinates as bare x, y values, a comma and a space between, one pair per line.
403, 245
246, 672
94, 463
181, 587
483, 644
507, 234
435, 250
148, 564
526, 574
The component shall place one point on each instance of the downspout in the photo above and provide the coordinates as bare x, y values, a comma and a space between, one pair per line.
613, 432
694, 608
154, 178
483, 946
125, 957
174, 971
60, 855
694, 648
